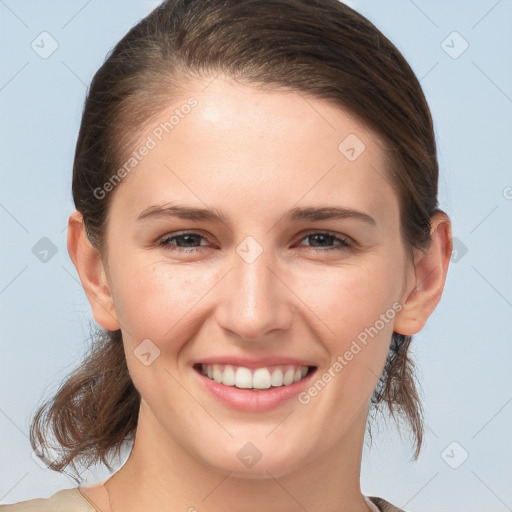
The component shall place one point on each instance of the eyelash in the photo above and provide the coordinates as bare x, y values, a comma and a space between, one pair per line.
343, 245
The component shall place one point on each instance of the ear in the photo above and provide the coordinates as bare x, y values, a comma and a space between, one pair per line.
430, 269
92, 274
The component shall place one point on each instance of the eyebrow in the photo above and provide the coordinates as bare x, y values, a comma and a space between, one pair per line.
214, 215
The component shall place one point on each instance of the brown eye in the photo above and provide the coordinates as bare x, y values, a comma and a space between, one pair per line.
324, 241
186, 242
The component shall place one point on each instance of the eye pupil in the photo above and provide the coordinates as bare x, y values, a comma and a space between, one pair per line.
188, 239
323, 238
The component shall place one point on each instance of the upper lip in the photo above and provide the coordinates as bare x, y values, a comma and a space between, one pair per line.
252, 362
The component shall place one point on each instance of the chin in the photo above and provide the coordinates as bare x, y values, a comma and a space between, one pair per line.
253, 460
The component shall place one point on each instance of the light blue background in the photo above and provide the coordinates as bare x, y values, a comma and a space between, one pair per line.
463, 354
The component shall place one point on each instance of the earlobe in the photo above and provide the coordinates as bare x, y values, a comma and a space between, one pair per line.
430, 270
91, 272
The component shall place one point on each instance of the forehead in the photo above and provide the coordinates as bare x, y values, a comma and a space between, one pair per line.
239, 148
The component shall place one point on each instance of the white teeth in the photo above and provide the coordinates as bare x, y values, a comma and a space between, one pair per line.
288, 376
260, 378
243, 378
217, 374
229, 376
277, 377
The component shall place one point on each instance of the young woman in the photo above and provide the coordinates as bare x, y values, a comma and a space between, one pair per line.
257, 231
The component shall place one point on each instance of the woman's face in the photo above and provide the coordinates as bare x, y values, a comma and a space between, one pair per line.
258, 232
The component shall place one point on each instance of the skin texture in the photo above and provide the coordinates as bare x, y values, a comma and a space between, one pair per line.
253, 155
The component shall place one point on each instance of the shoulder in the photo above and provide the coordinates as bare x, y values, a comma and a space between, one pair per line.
66, 500
382, 505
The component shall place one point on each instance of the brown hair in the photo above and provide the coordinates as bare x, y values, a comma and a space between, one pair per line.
320, 48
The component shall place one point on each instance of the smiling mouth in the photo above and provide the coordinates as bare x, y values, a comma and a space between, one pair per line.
257, 378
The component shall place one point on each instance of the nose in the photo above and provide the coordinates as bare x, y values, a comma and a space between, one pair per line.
255, 301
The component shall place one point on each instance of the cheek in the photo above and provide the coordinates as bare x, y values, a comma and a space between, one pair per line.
352, 298
356, 306
154, 299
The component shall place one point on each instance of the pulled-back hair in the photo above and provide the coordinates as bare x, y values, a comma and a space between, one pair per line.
320, 48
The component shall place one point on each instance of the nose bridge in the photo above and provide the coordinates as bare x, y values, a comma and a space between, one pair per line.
254, 301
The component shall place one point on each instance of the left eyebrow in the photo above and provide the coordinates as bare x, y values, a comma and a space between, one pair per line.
183, 212
214, 215
328, 212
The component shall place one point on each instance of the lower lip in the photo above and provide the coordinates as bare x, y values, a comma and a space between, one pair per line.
250, 400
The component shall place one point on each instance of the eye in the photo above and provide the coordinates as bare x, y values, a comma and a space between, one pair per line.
185, 242
325, 239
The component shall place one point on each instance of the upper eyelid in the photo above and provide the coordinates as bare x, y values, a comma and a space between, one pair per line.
343, 238
183, 233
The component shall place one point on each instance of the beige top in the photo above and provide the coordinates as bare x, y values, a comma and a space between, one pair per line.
72, 500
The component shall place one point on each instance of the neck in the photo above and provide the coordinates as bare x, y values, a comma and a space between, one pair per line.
161, 475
